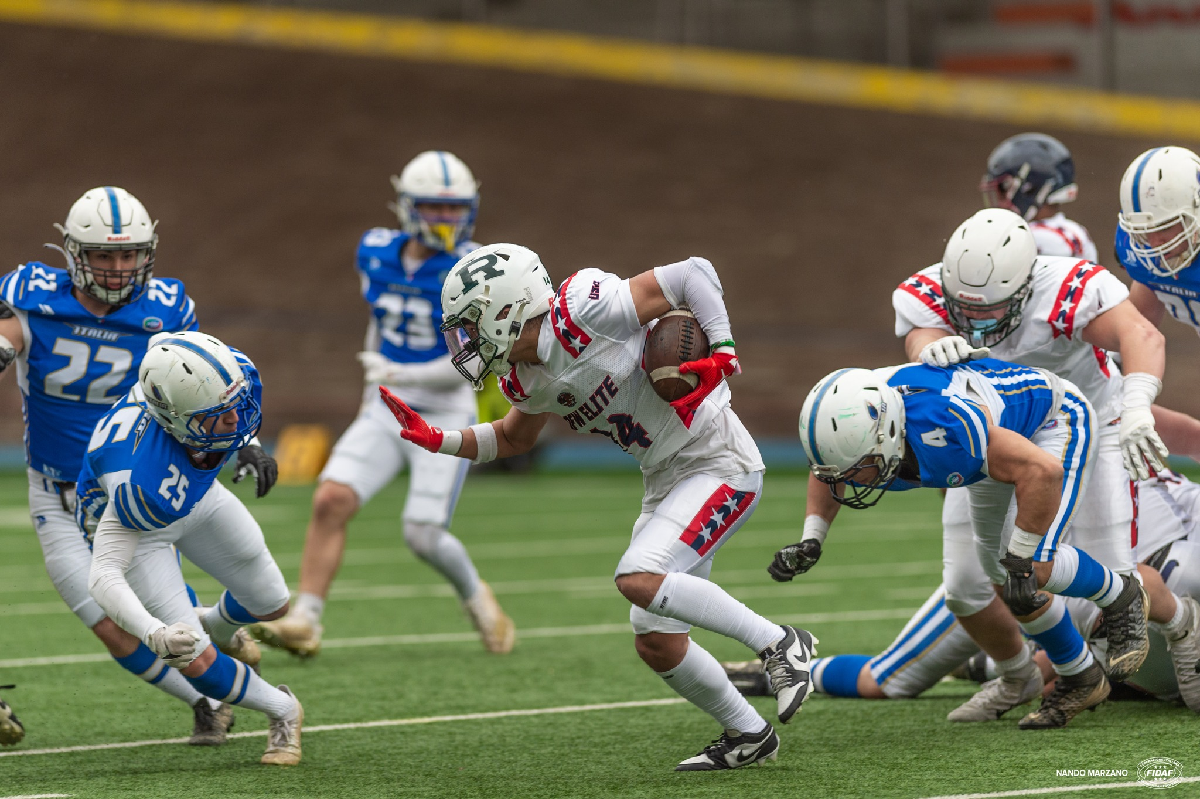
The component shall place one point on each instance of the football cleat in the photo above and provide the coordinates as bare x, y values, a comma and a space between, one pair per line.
730, 751
1125, 620
211, 727
1072, 695
748, 677
1185, 654
496, 629
11, 728
283, 736
973, 669
999, 696
786, 664
293, 633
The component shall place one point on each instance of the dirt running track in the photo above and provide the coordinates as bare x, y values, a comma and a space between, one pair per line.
264, 167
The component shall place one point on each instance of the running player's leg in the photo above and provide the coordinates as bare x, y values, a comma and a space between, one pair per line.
434, 484
68, 561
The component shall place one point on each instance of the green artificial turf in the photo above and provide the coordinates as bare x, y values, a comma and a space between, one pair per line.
548, 545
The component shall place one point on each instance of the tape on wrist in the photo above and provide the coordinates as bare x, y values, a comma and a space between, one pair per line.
451, 442
1023, 544
815, 527
485, 438
1140, 390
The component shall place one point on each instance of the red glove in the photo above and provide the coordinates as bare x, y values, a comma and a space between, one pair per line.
711, 371
416, 429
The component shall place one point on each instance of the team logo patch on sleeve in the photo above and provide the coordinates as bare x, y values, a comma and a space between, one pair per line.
720, 513
569, 334
929, 292
512, 388
1062, 316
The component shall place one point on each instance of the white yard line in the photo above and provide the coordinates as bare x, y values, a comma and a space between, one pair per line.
1063, 789
844, 616
359, 725
39, 796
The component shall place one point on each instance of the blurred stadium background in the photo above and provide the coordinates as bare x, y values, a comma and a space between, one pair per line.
810, 164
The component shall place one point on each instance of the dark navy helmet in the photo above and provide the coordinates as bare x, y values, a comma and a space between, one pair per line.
1027, 171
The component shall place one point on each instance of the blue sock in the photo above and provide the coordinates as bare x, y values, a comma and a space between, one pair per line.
226, 679
233, 612
838, 675
1076, 573
143, 663
223, 619
192, 596
1063, 644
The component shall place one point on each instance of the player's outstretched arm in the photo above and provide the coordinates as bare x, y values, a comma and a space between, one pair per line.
112, 552
1035, 475
515, 434
1180, 432
1143, 350
1147, 303
798, 558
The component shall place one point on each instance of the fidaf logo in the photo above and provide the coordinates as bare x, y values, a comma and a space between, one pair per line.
152, 324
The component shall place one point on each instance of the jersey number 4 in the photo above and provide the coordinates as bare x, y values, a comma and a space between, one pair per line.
80, 358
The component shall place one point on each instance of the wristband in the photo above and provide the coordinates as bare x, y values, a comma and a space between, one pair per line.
1023, 544
451, 442
486, 442
726, 343
816, 528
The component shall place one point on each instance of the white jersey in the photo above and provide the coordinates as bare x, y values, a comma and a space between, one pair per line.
1068, 293
590, 348
1057, 235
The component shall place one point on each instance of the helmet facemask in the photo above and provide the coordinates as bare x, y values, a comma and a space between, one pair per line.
477, 356
986, 325
196, 429
440, 236
94, 281
1171, 256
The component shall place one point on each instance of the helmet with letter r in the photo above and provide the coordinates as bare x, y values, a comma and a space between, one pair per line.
1160, 209
1027, 172
195, 387
437, 199
109, 242
487, 298
852, 430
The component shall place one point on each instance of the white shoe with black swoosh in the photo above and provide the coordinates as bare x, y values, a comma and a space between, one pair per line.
787, 664
730, 751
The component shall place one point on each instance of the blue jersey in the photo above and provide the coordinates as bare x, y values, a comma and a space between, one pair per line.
1180, 294
134, 463
406, 311
944, 416
75, 364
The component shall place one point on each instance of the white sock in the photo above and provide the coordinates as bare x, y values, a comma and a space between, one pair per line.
705, 604
177, 686
1175, 627
700, 679
219, 628
261, 695
444, 552
310, 606
1013, 666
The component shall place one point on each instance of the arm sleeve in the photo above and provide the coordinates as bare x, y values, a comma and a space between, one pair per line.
112, 552
693, 284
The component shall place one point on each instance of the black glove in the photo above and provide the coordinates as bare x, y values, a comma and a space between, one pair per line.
254, 460
794, 559
1021, 589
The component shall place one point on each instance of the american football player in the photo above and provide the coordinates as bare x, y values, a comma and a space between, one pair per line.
994, 293
149, 486
76, 337
1006, 432
402, 272
1158, 233
575, 352
1033, 175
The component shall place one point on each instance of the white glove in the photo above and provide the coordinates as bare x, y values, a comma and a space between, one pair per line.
1140, 444
949, 350
378, 369
175, 644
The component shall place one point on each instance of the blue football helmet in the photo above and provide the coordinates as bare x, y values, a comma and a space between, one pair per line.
1027, 171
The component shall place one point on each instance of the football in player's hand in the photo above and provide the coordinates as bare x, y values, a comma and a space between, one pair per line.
676, 339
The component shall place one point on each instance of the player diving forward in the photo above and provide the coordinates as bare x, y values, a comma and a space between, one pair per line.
1158, 233
149, 480
576, 353
992, 291
933, 644
77, 337
998, 429
402, 272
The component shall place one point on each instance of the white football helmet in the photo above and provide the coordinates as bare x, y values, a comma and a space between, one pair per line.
494, 291
987, 275
190, 380
1160, 209
853, 420
108, 218
436, 176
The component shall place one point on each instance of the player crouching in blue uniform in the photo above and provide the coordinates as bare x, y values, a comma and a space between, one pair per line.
1000, 429
149, 480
